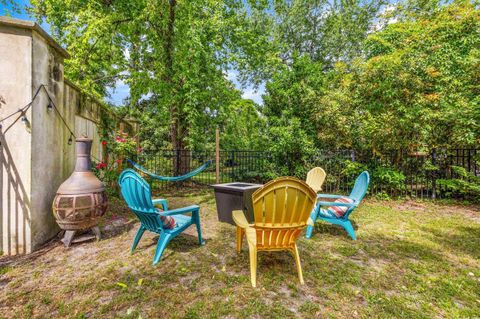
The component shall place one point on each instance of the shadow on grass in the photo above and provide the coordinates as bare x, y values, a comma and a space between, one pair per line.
463, 239
397, 251
322, 227
117, 228
460, 238
182, 243
390, 249
15, 260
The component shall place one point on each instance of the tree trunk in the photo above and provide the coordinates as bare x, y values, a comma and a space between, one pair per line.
176, 132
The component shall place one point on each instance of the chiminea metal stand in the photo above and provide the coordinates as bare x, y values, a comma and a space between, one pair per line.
68, 237
81, 200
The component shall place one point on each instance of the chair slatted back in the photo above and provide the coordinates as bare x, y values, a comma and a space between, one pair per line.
136, 192
281, 210
315, 178
358, 191
360, 187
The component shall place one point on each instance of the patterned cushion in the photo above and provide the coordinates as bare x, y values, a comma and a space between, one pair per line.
339, 211
326, 213
167, 221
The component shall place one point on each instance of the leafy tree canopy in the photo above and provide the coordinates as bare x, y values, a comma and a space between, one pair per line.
374, 75
413, 86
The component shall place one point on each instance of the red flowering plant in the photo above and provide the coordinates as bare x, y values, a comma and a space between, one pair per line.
117, 149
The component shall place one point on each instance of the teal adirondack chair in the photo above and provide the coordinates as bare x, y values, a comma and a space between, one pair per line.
136, 192
358, 192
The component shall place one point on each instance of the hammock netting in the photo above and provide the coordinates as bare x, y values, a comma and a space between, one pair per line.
180, 178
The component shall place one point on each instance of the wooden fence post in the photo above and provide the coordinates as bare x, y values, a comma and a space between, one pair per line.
217, 155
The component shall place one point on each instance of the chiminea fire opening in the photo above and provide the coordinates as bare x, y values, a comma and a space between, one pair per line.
81, 200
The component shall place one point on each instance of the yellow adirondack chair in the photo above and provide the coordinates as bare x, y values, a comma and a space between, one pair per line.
315, 178
281, 209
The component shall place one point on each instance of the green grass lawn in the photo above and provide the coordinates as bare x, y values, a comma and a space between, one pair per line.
411, 260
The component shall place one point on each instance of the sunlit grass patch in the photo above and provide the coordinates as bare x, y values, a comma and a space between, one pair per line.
411, 260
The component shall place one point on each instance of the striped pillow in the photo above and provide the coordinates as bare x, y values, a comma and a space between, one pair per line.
339, 211
168, 222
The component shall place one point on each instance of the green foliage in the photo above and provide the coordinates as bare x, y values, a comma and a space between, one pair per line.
388, 179
382, 196
118, 148
243, 126
173, 55
362, 75
416, 87
4, 269
419, 84
466, 183
384, 178
252, 176
291, 95
323, 31
291, 147
353, 169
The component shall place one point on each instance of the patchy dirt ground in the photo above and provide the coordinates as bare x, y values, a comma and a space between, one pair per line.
412, 259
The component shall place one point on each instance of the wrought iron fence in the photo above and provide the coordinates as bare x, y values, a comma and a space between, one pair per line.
242, 165
397, 174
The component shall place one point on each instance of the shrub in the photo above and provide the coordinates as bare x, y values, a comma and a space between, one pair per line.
291, 148
466, 184
118, 148
389, 180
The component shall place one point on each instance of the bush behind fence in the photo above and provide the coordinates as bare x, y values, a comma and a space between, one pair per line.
417, 175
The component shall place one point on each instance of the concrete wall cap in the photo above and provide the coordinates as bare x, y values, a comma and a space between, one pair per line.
30, 25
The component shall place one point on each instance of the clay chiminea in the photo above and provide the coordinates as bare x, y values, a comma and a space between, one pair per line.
81, 199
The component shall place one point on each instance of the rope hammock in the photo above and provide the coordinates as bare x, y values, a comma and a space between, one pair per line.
190, 174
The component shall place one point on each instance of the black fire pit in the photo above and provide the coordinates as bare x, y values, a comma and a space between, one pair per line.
234, 196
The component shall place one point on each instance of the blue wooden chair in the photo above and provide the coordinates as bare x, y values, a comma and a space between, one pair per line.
136, 192
358, 192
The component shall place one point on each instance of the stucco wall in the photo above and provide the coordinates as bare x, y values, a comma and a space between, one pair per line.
15, 150
87, 116
35, 161
52, 157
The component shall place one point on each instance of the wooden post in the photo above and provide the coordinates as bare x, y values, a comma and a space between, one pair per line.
434, 173
136, 128
217, 155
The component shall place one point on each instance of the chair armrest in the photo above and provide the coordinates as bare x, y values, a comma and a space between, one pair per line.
240, 219
162, 202
178, 211
329, 196
251, 235
336, 204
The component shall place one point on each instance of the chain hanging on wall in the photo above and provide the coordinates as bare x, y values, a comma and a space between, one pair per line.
23, 116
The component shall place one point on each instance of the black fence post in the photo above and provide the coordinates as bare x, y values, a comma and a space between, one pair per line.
469, 160
233, 166
434, 173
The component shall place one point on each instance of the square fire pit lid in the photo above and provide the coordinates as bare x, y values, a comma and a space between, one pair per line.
237, 186
241, 185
